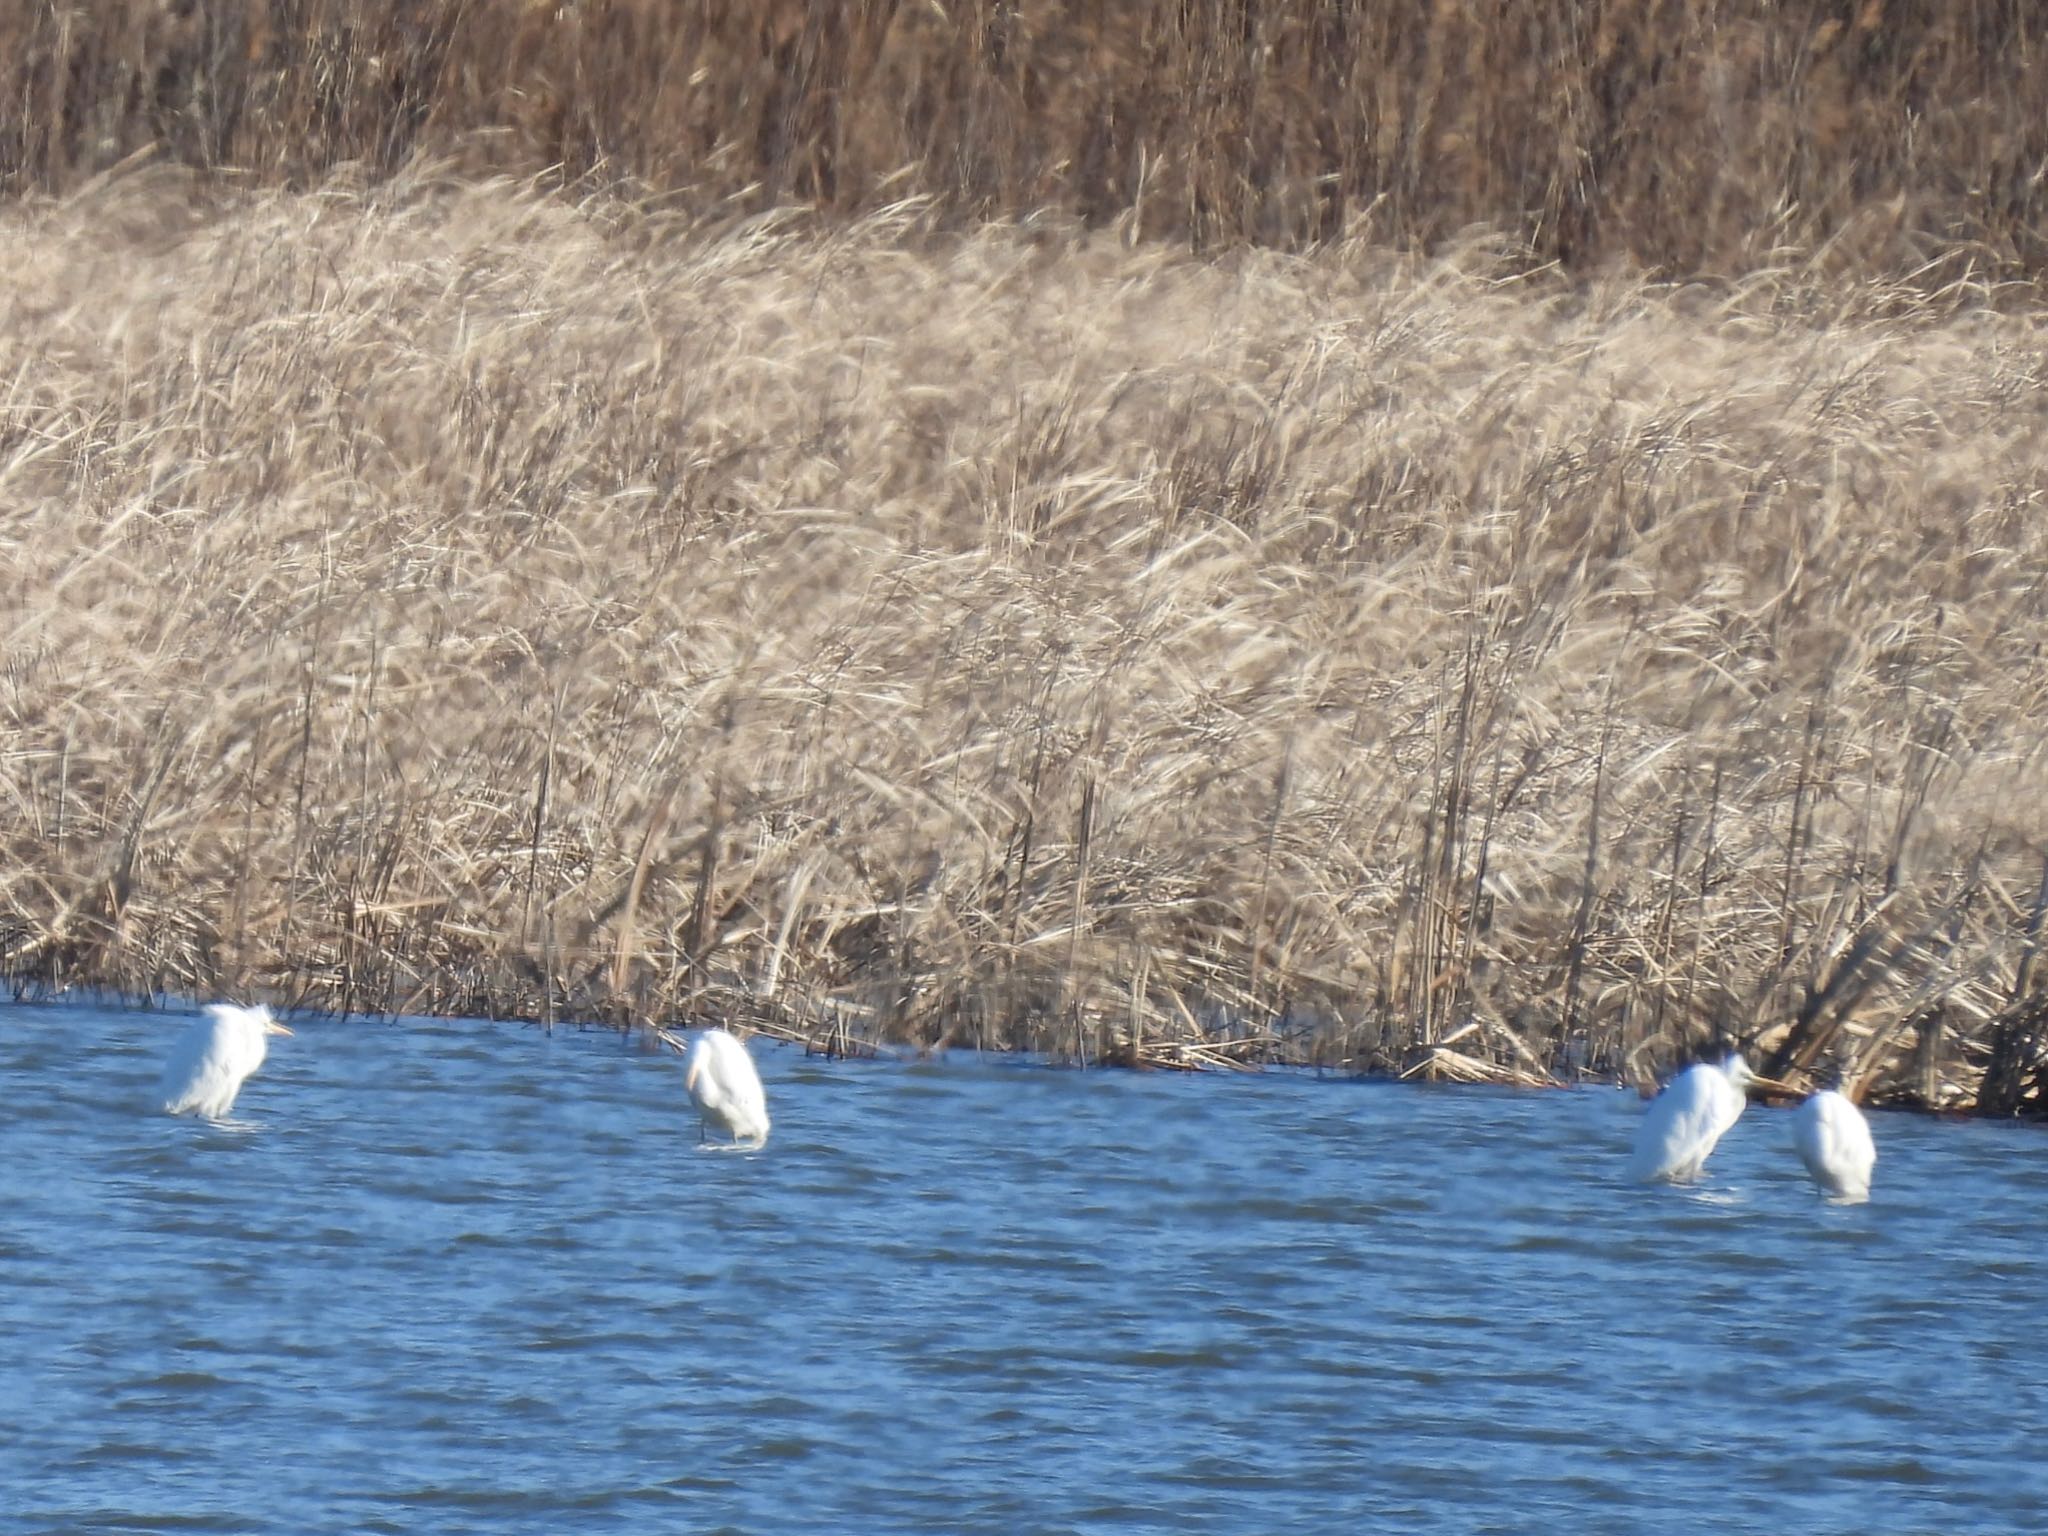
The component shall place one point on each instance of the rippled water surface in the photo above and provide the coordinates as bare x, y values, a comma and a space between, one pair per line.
459, 1277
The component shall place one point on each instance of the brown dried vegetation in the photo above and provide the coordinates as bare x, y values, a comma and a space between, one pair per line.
1684, 135
453, 598
611, 595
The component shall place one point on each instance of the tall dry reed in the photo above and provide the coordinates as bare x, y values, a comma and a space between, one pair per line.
449, 597
1684, 135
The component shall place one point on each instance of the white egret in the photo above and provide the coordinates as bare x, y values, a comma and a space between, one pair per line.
215, 1057
1833, 1140
1693, 1112
726, 1089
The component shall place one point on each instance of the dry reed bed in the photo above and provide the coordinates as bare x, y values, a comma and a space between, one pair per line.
452, 598
1687, 135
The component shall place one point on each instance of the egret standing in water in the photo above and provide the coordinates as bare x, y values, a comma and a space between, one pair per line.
726, 1089
1693, 1112
1833, 1140
215, 1057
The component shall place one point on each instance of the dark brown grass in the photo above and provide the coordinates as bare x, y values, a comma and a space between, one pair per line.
1684, 136
452, 597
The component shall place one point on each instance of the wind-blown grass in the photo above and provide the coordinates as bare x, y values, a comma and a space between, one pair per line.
452, 598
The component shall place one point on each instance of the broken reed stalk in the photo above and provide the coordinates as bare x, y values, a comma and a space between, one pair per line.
1077, 1000
848, 560
2017, 1033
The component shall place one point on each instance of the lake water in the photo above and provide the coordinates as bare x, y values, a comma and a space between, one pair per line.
463, 1277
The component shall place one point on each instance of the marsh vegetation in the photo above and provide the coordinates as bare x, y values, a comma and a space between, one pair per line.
439, 591
1677, 135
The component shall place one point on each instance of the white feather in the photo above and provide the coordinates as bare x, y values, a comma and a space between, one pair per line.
723, 1083
215, 1057
1833, 1140
1683, 1123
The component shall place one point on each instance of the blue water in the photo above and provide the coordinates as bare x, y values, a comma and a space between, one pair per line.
460, 1277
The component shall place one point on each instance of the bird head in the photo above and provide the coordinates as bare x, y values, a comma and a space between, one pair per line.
261, 1015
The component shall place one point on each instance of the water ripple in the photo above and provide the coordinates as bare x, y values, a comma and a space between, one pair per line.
470, 1278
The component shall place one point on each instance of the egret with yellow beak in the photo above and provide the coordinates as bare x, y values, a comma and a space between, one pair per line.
1695, 1110
215, 1057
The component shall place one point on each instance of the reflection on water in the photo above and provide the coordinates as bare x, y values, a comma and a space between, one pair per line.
475, 1278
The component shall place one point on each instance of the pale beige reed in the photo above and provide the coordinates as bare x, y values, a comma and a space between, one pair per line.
454, 597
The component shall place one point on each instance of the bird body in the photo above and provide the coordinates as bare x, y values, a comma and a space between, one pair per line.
1683, 1122
724, 1085
1833, 1140
215, 1057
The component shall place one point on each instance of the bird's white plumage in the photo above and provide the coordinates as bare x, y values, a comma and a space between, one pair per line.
725, 1087
1683, 1122
1833, 1140
215, 1057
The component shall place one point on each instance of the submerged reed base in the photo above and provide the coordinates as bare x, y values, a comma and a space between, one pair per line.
451, 598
